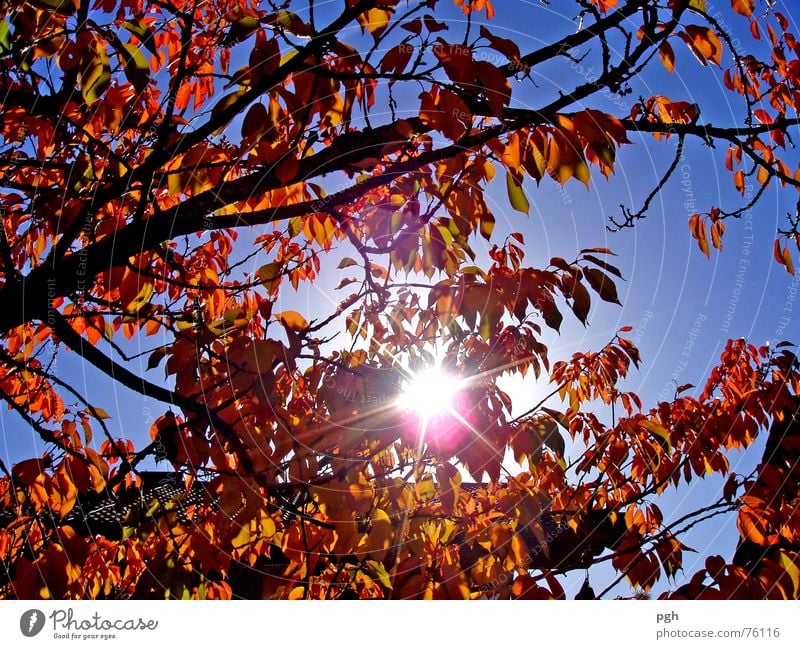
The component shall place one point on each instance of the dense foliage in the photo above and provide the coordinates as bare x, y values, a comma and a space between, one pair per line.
151, 148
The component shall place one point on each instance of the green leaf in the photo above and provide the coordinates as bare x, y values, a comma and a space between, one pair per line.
178, 590
136, 67
473, 270
293, 24
447, 236
516, 194
379, 570
5, 37
154, 507
241, 28
486, 325
287, 57
143, 32
95, 76
659, 431
791, 569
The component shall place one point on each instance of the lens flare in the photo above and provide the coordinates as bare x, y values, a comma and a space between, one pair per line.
429, 393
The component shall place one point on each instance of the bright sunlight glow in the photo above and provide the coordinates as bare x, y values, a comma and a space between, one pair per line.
429, 393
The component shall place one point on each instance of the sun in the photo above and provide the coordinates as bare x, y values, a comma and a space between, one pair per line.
429, 393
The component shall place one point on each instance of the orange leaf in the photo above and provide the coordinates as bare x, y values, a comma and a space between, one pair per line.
292, 320
783, 256
667, 56
738, 181
698, 230
27, 471
704, 43
744, 7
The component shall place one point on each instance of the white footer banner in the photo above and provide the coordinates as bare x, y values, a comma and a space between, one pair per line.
386, 625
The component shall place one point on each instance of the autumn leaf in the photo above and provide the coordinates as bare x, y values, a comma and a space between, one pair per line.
704, 43
144, 32
137, 69
667, 56
602, 285
744, 7
516, 195
783, 256
291, 320
697, 228
375, 21
95, 74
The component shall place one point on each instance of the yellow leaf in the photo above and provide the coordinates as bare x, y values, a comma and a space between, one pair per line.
142, 298
242, 537
292, 320
375, 21
424, 489
659, 431
378, 569
137, 69
520, 552
379, 538
298, 592
270, 275
667, 56
95, 75
267, 525
100, 413
791, 569
143, 32
582, 172
516, 194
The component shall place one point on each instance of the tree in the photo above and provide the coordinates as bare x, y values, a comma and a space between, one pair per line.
152, 147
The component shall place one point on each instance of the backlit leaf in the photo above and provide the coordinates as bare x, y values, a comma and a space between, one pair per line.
291, 320
516, 195
602, 284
